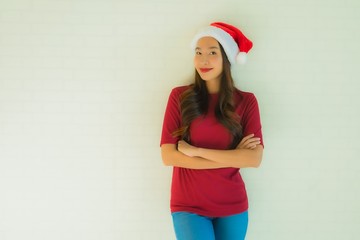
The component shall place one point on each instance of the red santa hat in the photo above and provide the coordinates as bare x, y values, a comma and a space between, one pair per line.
234, 42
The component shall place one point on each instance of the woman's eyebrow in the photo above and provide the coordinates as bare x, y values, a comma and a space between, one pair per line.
214, 47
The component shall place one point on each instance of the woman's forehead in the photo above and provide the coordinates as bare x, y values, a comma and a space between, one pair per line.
207, 42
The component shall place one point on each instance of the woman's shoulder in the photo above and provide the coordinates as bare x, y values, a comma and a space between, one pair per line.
244, 96
181, 88
245, 101
177, 91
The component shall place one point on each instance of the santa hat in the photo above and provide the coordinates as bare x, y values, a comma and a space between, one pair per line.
234, 42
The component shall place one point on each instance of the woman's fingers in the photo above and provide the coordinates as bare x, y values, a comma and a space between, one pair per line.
249, 142
247, 137
243, 141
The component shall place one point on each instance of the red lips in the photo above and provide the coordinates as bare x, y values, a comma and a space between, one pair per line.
205, 70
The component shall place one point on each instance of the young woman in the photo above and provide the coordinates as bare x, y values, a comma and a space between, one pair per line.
211, 130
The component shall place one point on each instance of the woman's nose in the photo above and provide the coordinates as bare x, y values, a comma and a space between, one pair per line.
204, 59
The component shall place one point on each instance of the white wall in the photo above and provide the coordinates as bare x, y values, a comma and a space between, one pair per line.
83, 87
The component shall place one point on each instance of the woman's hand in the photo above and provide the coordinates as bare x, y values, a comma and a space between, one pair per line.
248, 142
186, 148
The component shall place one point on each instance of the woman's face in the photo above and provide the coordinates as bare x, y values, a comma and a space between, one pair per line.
208, 60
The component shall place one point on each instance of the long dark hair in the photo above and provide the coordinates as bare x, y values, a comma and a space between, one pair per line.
194, 103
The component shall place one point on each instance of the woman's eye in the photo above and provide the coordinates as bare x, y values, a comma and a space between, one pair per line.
198, 53
212, 53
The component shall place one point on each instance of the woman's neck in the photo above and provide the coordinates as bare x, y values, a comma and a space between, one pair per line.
213, 86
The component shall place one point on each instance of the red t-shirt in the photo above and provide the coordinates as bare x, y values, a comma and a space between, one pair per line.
210, 192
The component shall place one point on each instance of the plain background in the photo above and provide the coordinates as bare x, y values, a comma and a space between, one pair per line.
83, 88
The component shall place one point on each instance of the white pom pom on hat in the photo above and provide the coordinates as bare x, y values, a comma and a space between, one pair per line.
236, 45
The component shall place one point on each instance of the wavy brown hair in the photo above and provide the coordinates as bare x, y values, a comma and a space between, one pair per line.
194, 102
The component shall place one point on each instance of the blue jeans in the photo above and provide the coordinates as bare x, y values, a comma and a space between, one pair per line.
190, 226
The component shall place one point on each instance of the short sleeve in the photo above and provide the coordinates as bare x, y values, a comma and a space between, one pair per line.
251, 122
172, 118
